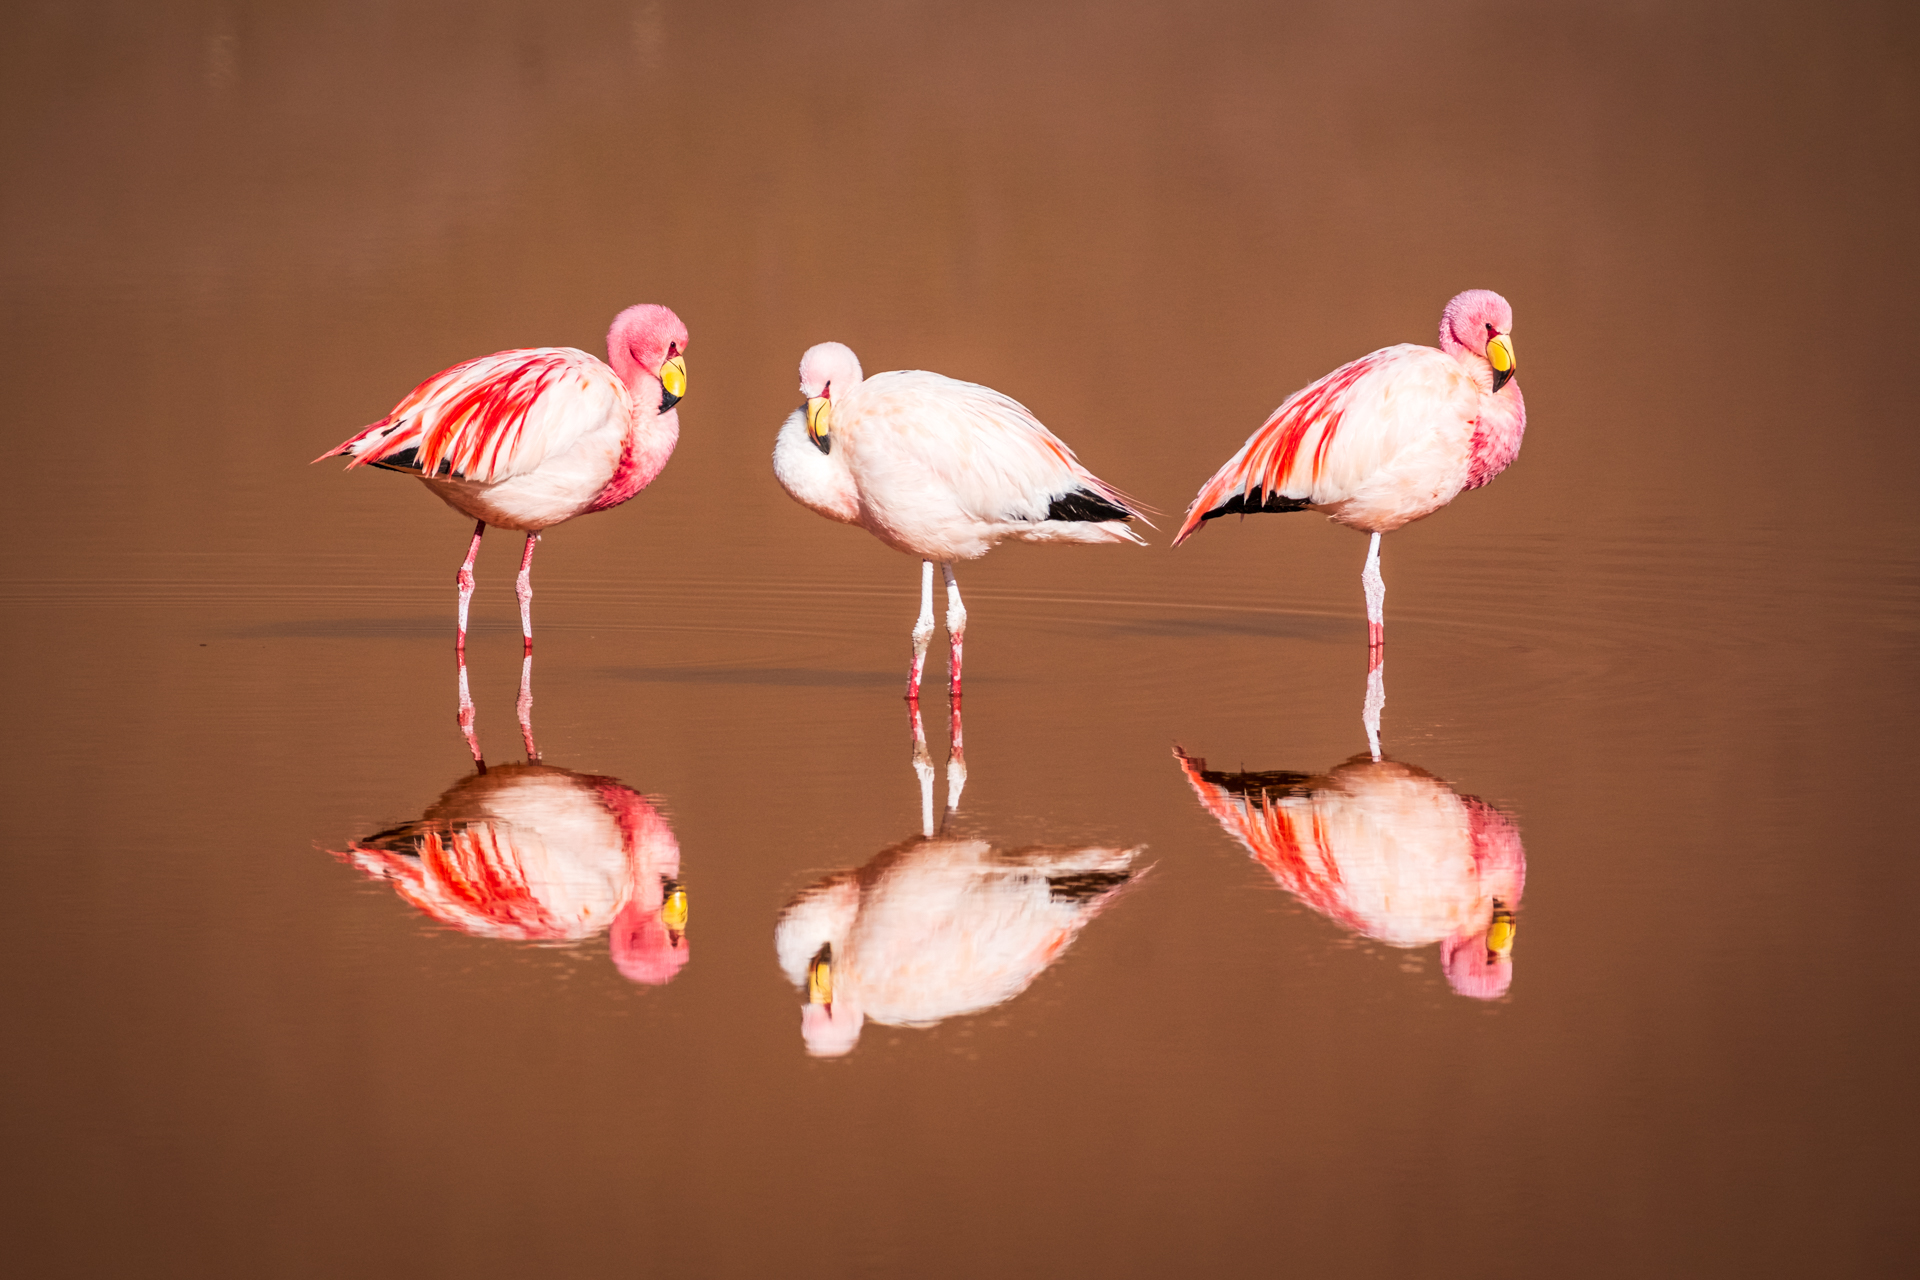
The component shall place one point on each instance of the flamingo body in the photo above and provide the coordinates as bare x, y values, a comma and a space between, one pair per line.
940, 469
530, 438
936, 928
1386, 850
534, 853
1386, 439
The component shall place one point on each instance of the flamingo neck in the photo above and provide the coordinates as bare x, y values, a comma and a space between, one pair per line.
1496, 435
650, 442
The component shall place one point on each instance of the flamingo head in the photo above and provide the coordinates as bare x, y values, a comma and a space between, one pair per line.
828, 368
829, 1021
647, 946
1481, 965
1480, 323
649, 339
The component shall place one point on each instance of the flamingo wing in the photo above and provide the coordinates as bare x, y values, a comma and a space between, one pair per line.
1327, 438
987, 448
493, 418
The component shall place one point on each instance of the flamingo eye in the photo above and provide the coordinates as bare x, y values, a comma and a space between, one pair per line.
1490, 330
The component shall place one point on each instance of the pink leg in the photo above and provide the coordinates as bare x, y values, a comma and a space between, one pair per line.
524, 708
922, 632
523, 587
956, 633
466, 715
464, 580
1376, 588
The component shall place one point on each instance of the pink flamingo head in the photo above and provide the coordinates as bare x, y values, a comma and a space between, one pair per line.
1480, 966
831, 1030
827, 368
644, 949
644, 338
1480, 323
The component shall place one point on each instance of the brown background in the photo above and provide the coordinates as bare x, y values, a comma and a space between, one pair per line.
1676, 639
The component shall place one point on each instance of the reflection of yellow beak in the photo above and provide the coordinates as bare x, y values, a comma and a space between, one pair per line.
819, 419
673, 911
1500, 932
1500, 356
673, 382
820, 976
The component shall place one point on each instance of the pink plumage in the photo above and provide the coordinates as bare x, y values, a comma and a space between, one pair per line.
1386, 439
530, 438
1388, 851
940, 469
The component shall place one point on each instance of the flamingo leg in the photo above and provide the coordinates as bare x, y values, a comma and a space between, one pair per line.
956, 759
956, 633
523, 587
923, 769
1376, 700
524, 708
466, 708
922, 633
1376, 589
464, 580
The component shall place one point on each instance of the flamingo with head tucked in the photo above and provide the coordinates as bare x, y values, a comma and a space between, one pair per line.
940, 469
1385, 440
530, 438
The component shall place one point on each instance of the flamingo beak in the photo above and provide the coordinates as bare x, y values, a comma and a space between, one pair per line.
1500, 356
1500, 932
819, 418
820, 977
673, 910
673, 382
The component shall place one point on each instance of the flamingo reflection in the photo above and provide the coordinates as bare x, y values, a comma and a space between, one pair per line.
937, 926
1386, 850
535, 853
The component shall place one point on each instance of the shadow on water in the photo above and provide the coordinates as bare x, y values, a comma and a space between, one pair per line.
939, 925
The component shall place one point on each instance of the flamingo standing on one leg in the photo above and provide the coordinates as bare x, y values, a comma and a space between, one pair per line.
940, 469
1383, 441
530, 438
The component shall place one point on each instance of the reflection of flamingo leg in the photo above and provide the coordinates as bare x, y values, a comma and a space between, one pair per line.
466, 704
524, 707
956, 632
956, 758
464, 580
922, 632
923, 768
1376, 699
1376, 589
523, 587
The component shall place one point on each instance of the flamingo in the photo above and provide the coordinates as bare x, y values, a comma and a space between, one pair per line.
934, 928
940, 469
531, 438
535, 853
1386, 439
1386, 850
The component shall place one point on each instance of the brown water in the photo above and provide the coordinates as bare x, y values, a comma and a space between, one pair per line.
1671, 650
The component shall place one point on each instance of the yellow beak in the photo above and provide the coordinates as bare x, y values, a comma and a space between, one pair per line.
820, 976
673, 382
819, 421
673, 911
1500, 932
1500, 356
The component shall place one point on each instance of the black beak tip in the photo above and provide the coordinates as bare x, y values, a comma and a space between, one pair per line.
668, 400
1501, 377
823, 443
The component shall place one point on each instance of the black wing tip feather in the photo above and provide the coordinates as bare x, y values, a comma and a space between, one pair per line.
407, 461
1086, 505
1257, 783
1085, 886
1257, 503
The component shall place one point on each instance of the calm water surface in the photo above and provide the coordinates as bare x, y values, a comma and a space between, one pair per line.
1175, 988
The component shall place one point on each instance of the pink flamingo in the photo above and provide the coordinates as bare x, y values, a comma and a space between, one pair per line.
530, 438
934, 928
1383, 441
1387, 850
534, 853
940, 469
